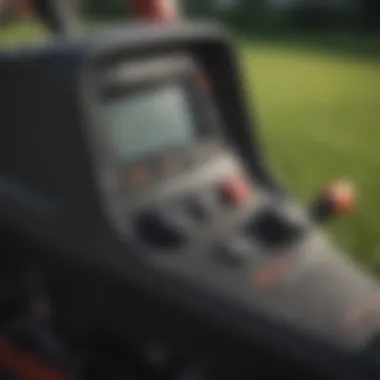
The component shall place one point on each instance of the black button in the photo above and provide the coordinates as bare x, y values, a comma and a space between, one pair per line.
158, 230
236, 252
272, 230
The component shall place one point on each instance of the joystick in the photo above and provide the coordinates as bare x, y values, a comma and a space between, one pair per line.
337, 198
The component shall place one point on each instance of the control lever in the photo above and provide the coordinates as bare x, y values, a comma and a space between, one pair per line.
337, 198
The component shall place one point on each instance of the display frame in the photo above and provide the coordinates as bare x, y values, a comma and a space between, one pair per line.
201, 127
139, 75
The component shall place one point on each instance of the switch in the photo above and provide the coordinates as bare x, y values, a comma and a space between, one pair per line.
160, 230
236, 191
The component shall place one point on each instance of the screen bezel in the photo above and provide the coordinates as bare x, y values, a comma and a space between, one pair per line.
200, 123
169, 68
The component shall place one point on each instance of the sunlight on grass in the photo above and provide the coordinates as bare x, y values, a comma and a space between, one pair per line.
320, 119
22, 34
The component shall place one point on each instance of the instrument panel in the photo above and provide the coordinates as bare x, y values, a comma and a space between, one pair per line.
157, 181
155, 122
183, 197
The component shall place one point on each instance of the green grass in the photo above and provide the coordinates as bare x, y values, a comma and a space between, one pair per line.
319, 116
21, 34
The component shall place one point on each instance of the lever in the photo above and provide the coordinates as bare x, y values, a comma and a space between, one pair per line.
337, 198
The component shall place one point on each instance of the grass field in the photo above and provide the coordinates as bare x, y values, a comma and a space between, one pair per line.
319, 117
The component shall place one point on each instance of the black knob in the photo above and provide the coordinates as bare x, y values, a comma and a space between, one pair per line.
160, 230
273, 230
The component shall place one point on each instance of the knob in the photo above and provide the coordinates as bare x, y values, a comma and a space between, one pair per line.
337, 198
273, 230
160, 230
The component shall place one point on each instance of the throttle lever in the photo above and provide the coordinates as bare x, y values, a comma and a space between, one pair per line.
337, 198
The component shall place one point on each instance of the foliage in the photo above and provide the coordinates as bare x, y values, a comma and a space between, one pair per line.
319, 116
262, 15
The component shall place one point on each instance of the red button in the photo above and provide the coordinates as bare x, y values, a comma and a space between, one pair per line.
342, 196
236, 190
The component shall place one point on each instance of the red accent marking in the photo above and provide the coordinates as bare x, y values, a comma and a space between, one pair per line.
270, 275
25, 366
360, 313
237, 190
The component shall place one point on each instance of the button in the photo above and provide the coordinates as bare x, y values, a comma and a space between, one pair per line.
236, 191
236, 252
272, 230
159, 230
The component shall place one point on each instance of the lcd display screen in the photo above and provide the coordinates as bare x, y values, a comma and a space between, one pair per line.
149, 121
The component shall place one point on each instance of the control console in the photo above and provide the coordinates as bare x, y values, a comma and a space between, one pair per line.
138, 162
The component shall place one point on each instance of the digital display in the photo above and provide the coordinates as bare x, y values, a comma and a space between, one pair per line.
149, 121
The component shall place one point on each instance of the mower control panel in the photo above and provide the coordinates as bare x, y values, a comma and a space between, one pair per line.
152, 177
178, 189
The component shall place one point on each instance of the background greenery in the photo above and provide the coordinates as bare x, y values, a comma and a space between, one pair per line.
260, 14
316, 91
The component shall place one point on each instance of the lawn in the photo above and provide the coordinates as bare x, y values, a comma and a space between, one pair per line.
319, 117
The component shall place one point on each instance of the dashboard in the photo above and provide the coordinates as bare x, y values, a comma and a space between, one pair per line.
156, 120
174, 186
152, 182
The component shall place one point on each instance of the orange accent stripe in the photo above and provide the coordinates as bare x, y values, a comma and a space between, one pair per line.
25, 366
270, 275
360, 313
